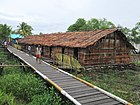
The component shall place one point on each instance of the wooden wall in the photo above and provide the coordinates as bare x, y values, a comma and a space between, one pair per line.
111, 49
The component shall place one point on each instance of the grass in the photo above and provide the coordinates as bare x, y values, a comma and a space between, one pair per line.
125, 84
137, 63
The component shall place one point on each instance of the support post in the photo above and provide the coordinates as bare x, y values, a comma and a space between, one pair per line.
115, 47
1, 68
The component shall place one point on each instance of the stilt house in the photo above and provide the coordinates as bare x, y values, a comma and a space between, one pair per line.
99, 47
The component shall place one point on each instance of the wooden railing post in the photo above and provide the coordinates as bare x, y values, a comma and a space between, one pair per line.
1, 68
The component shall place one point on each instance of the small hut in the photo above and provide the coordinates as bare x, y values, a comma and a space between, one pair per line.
99, 47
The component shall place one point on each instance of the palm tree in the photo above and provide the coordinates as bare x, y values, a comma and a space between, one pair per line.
5, 31
24, 29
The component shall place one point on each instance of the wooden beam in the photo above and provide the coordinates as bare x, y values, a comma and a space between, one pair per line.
12, 65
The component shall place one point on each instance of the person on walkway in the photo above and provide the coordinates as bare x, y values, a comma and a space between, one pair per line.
5, 44
38, 54
29, 49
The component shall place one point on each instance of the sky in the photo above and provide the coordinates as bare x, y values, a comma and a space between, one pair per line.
51, 16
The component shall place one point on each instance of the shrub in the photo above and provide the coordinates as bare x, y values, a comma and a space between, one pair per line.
22, 86
137, 63
12, 70
6, 99
47, 98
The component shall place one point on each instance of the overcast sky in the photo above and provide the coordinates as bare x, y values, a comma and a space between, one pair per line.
49, 16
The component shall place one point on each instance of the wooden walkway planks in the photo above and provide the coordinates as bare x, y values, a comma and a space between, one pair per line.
81, 93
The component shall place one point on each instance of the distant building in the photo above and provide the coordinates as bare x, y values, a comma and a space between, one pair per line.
100, 47
15, 36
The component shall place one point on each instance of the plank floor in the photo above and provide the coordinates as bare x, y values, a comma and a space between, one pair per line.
81, 92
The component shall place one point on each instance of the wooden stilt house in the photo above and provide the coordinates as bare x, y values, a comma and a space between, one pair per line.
100, 47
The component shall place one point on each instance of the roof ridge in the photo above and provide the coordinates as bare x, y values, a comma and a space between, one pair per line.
75, 32
69, 39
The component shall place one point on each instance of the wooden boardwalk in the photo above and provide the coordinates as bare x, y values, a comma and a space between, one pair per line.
77, 90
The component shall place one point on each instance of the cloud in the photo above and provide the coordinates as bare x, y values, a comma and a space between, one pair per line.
57, 15
14, 17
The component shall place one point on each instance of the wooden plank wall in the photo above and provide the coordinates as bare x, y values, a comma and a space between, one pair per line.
109, 50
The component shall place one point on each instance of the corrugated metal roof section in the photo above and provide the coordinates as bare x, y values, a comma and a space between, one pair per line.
68, 39
14, 36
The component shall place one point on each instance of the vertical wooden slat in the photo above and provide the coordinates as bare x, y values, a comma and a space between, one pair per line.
114, 47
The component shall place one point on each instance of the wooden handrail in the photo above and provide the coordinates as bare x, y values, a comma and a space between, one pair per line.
12, 65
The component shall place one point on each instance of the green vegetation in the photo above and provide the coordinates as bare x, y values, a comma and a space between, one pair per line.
137, 63
24, 88
5, 31
47, 98
133, 34
6, 99
81, 24
93, 24
24, 29
124, 84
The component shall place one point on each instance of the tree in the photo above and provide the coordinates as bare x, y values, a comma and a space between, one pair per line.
5, 31
92, 24
79, 25
24, 29
135, 33
14, 32
137, 26
105, 24
40, 33
126, 31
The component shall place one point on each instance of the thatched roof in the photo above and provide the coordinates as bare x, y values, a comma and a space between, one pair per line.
69, 39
